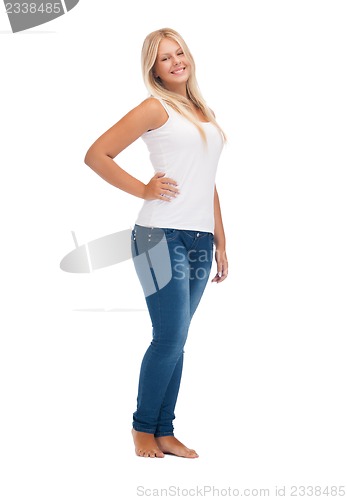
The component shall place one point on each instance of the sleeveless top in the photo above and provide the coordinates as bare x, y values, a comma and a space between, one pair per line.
178, 149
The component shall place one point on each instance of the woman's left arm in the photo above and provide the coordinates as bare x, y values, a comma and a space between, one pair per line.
220, 243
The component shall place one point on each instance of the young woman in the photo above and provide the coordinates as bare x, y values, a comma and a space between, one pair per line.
177, 226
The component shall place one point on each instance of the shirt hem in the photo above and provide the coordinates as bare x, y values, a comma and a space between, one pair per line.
186, 227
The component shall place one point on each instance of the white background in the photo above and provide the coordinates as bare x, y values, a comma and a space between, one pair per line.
263, 394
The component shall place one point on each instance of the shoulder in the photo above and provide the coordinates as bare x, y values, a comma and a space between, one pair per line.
152, 104
153, 111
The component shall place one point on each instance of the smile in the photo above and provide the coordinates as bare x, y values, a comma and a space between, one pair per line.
178, 71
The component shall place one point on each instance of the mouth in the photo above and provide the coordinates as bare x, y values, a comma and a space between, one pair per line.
178, 71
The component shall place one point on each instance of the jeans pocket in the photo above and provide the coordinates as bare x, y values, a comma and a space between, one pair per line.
170, 233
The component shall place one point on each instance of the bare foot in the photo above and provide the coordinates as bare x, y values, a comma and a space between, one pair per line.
145, 445
171, 445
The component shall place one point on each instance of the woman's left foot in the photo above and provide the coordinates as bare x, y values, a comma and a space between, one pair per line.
171, 445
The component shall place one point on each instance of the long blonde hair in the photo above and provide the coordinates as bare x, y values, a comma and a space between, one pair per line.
178, 102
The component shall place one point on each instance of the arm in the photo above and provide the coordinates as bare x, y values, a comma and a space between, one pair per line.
148, 115
220, 243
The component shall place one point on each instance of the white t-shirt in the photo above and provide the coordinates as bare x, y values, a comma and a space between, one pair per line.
178, 149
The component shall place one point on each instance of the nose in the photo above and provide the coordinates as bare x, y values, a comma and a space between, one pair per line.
177, 61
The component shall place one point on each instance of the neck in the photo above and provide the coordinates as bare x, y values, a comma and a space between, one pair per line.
180, 89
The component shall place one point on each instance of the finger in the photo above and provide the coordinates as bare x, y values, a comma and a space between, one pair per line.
224, 275
220, 276
216, 279
159, 174
168, 192
168, 180
163, 197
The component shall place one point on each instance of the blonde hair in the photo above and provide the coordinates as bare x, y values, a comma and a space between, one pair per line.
178, 102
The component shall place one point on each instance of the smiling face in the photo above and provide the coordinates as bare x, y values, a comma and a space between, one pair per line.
172, 66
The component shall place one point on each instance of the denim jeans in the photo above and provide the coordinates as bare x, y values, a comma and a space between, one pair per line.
173, 266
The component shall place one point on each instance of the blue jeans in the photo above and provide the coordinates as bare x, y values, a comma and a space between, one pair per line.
173, 267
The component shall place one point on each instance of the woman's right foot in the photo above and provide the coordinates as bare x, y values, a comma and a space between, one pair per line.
146, 445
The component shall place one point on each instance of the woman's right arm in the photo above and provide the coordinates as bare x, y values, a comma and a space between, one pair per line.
148, 115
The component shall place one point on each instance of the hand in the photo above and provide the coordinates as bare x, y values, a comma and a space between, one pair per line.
222, 266
161, 188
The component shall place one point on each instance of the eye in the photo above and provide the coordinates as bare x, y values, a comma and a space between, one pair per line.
180, 53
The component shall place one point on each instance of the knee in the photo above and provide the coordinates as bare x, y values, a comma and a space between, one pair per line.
172, 346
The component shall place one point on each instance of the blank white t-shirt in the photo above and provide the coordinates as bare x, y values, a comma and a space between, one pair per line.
178, 149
